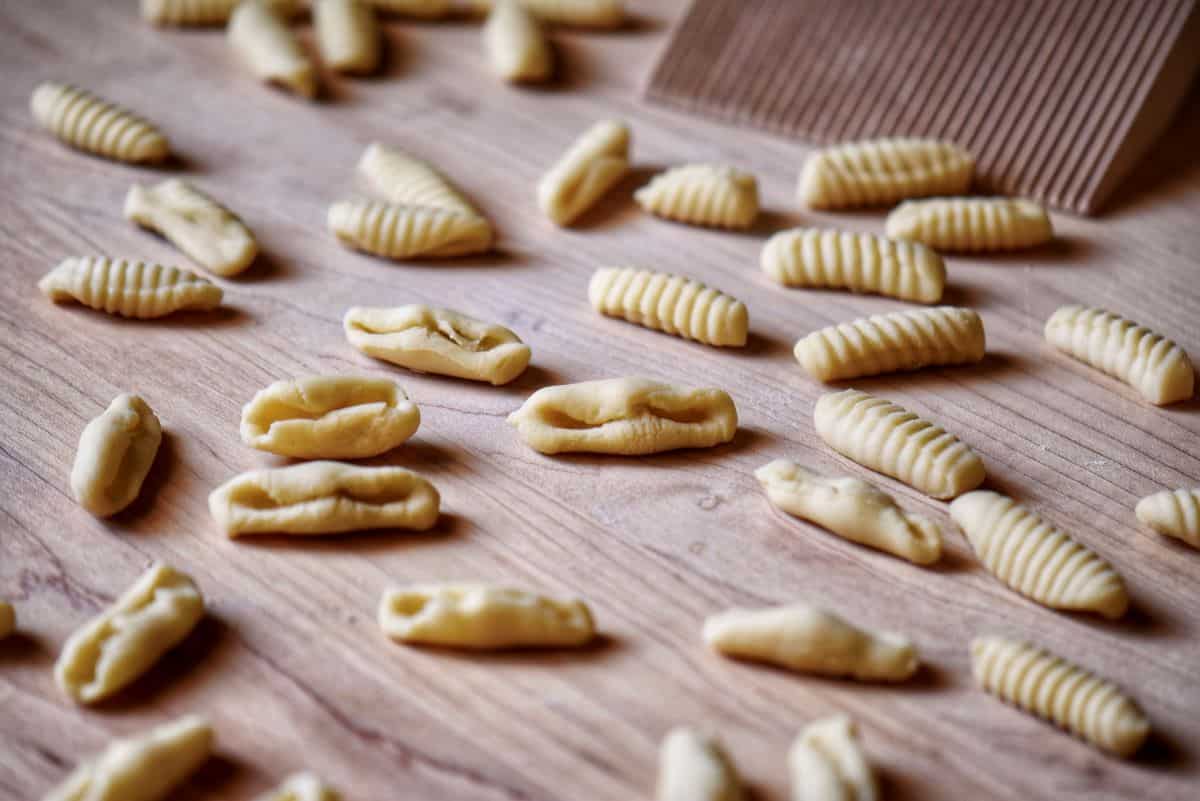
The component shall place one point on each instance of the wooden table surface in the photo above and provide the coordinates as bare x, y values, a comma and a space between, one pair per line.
290, 664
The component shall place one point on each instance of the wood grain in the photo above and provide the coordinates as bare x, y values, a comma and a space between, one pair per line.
290, 665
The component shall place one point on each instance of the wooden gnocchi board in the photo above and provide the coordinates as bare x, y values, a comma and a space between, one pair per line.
290, 664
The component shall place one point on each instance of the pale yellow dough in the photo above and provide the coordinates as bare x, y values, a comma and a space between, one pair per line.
115, 453
826, 763
878, 172
405, 180
129, 288
89, 123
516, 45
1175, 513
269, 48
302, 787
674, 304
407, 232
586, 172
8, 619
574, 13
702, 194
971, 223
203, 12
195, 223
348, 35
694, 767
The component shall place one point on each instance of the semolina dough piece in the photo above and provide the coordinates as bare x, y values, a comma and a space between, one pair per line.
421, 9
593, 165
826, 763
302, 787
1175, 513
438, 341
1063, 693
407, 232
853, 509
86, 122
879, 172
516, 45
673, 304
694, 767
1036, 559
889, 439
348, 35
129, 288
203, 12
573, 13
115, 453
329, 417
624, 416
1152, 364
806, 639
971, 223
8, 619
124, 641
324, 498
887, 343
405, 180
483, 617
702, 194
270, 49
195, 223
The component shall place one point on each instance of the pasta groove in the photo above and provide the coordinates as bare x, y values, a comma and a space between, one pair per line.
694, 767
129, 288
826, 763
702, 194
971, 223
592, 166
673, 304
404, 180
406, 232
201, 227
516, 46
86, 122
1175, 513
348, 35
879, 172
269, 48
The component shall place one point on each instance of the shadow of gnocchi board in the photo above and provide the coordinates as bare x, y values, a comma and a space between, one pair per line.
1057, 99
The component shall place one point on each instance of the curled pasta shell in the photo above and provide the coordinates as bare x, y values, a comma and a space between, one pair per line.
405, 180
115, 453
879, 172
694, 767
670, 303
88, 123
826, 763
1175, 513
971, 223
302, 787
203, 12
515, 43
574, 13
348, 34
195, 223
129, 288
593, 165
702, 194
270, 49
406, 232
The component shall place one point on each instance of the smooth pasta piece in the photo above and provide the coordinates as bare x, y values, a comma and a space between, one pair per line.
813, 257
826, 763
129, 288
1037, 559
115, 453
439, 341
202, 12
853, 509
702, 194
482, 617
887, 438
114, 648
879, 172
1150, 363
694, 767
270, 49
404, 180
329, 417
670, 303
201, 227
324, 498
625, 416
966, 224
348, 35
302, 787
421, 9
86, 122
573, 13
407, 232
1175, 513
8, 619
806, 639
1063, 693
585, 173
515, 44
886, 343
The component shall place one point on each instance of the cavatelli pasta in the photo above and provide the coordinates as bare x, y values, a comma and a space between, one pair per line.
702, 194
202, 12
575, 13
195, 223
407, 181
593, 165
405, 232
515, 43
882, 171
348, 35
129, 288
1175, 513
1152, 364
694, 767
269, 48
670, 303
88, 123
971, 223
826, 763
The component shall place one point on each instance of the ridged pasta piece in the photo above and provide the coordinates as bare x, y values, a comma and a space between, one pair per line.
144, 767
407, 232
702, 194
202, 12
124, 641
405, 180
694, 767
8, 619
270, 49
971, 223
826, 763
115, 453
129, 288
625, 416
574, 13
1063, 693
806, 639
421, 9
886, 343
201, 227
853, 509
302, 787
483, 617
1152, 364
1035, 558
1175, 513
670, 303
516, 45
879, 172
889, 439
813, 257
86, 122
593, 165
348, 35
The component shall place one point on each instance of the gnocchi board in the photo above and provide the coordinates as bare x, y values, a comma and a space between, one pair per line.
290, 664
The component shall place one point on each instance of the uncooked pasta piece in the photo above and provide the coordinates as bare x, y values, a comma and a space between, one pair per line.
889, 439
203, 12
575, 13
886, 343
423, 9
516, 45
407, 232
1175, 513
324, 498
1063, 693
115, 453
626, 416
404, 180
806, 639
270, 49
129, 288
8, 619
439, 341
971, 223
329, 417
694, 767
826, 763
302, 787
113, 649
812, 257
88, 123
879, 172
483, 617
1152, 364
702, 194
1035, 558
671, 303
195, 223
853, 509
348, 35
593, 165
